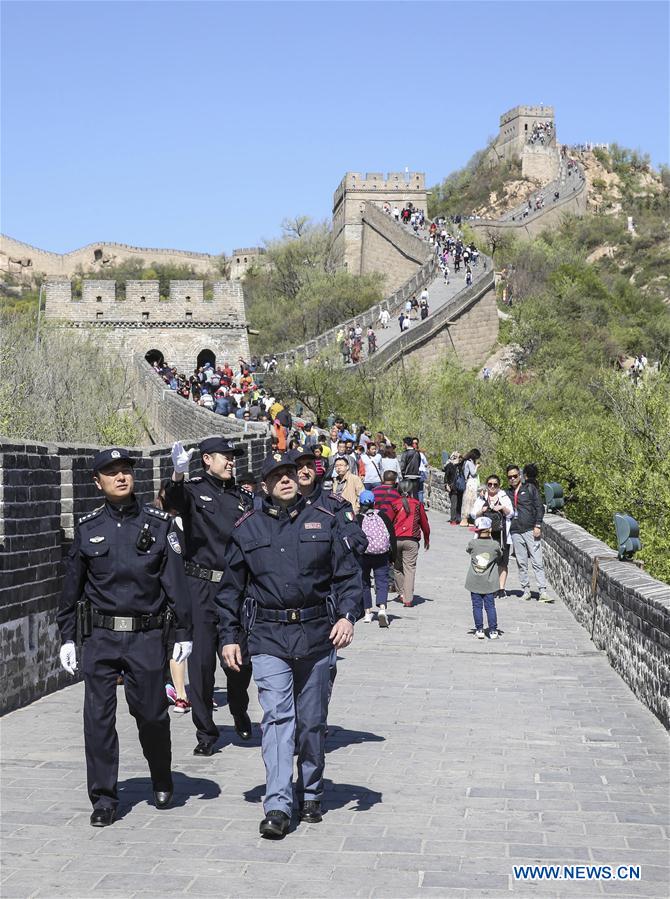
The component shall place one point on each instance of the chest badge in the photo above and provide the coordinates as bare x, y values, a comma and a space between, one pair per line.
173, 540
313, 526
95, 539
349, 516
206, 499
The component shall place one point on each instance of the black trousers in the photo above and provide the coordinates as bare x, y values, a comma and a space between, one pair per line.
141, 659
202, 664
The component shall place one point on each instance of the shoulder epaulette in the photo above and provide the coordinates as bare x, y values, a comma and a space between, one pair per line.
153, 510
195, 480
93, 514
336, 496
323, 509
244, 517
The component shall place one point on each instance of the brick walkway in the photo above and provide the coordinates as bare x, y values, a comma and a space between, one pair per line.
450, 760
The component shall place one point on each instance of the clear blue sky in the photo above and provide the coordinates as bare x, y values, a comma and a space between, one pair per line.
201, 125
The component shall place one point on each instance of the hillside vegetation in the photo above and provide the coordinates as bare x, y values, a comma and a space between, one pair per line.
564, 404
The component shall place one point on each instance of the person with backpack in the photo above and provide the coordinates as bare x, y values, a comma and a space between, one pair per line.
377, 527
410, 466
454, 483
409, 523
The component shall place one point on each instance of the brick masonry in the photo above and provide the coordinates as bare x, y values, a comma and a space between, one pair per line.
43, 490
628, 615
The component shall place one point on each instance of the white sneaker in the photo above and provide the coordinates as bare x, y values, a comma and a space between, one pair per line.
544, 597
479, 635
526, 595
382, 618
493, 635
367, 618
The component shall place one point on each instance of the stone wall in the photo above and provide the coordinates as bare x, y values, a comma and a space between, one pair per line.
540, 163
551, 216
43, 490
26, 261
467, 328
629, 615
390, 249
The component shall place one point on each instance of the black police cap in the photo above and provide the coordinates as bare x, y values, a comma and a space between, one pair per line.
107, 457
220, 445
274, 461
305, 452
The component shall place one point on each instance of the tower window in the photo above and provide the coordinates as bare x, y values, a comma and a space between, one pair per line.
142, 299
98, 315
189, 315
98, 299
188, 299
145, 316
97, 255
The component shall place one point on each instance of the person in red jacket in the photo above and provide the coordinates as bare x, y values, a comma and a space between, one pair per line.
409, 523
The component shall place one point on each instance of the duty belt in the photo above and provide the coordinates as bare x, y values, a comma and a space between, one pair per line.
205, 574
127, 623
292, 616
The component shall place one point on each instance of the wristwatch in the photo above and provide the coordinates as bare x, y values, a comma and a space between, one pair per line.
350, 618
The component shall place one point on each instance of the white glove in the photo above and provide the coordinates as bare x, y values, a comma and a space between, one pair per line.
182, 651
181, 458
68, 657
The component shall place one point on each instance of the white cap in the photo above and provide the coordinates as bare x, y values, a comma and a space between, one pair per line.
483, 524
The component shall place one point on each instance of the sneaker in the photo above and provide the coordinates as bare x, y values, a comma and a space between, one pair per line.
367, 618
493, 635
171, 693
501, 594
544, 597
182, 706
382, 618
479, 635
526, 595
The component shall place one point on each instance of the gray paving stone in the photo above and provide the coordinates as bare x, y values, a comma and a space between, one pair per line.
448, 761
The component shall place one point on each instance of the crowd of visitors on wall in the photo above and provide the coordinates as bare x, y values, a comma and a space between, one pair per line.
234, 393
350, 342
541, 133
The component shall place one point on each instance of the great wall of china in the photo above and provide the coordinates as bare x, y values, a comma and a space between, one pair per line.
193, 323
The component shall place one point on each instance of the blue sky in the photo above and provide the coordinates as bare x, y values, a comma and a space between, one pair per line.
202, 125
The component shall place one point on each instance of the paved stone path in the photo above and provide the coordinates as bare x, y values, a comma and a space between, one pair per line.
449, 761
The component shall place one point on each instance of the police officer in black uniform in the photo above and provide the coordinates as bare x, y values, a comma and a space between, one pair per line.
292, 584
209, 506
124, 589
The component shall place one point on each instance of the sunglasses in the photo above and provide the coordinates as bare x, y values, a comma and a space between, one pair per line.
492, 484
513, 477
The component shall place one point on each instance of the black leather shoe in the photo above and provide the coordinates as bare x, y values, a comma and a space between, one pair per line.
310, 812
163, 798
243, 726
275, 824
204, 749
102, 817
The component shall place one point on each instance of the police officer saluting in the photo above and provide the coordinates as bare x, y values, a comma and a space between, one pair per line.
209, 507
124, 588
291, 582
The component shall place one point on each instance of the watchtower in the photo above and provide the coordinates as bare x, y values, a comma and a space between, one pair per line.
349, 201
193, 324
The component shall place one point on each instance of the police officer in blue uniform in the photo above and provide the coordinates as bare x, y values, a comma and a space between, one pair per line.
305, 462
124, 588
292, 584
209, 506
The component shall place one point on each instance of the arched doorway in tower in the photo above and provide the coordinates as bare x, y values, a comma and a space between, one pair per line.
154, 356
205, 356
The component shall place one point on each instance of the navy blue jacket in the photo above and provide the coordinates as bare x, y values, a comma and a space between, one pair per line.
288, 559
346, 518
105, 567
209, 508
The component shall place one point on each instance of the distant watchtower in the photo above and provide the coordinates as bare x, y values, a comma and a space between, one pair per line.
528, 133
349, 201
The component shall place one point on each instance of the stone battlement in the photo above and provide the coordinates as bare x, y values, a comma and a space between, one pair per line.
394, 182
540, 112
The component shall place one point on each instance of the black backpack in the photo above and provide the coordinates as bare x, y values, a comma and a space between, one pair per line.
411, 463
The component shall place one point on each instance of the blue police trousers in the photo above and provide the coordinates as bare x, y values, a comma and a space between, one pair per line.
294, 697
